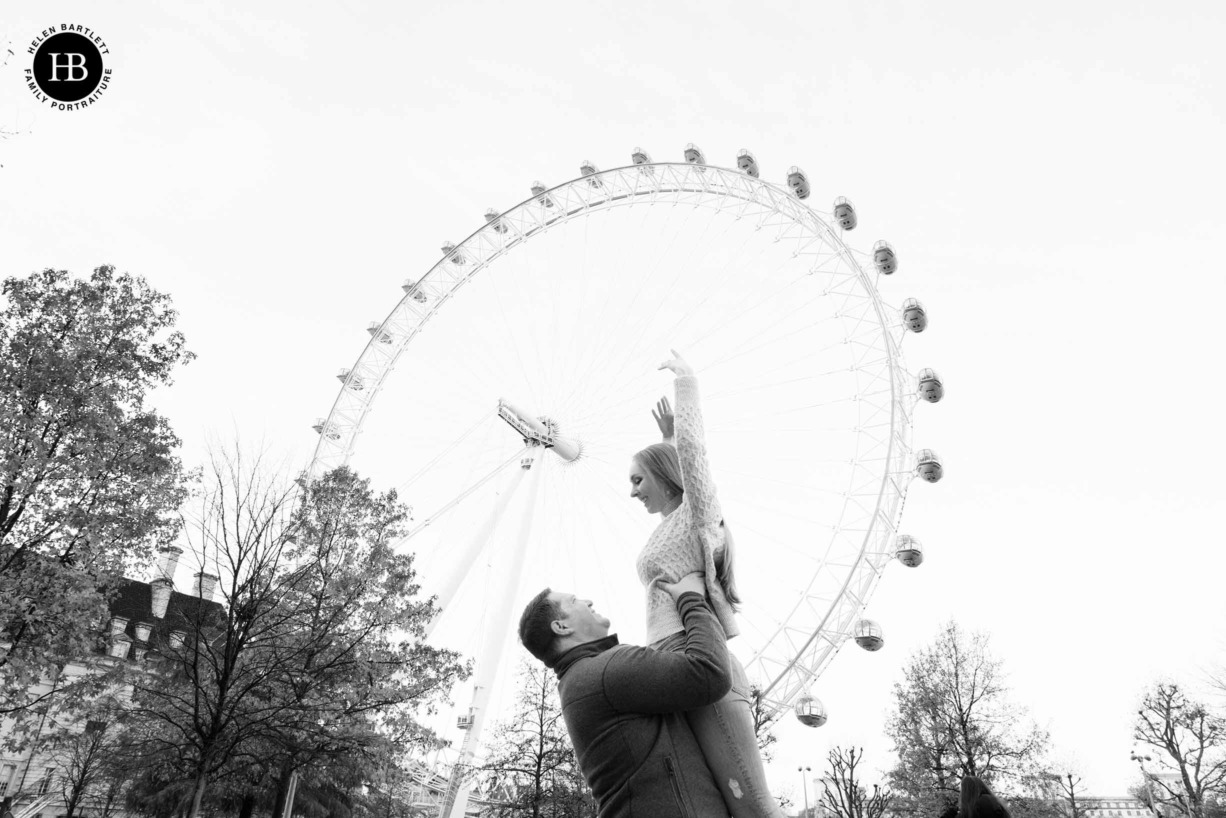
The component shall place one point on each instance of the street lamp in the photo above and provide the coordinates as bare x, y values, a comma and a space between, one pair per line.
804, 782
1149, 784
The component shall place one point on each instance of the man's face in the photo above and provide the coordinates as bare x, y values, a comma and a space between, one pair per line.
578, 619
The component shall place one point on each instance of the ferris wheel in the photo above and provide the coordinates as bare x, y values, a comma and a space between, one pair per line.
526, 366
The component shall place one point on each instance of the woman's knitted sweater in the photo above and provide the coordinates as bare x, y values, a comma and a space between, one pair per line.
685, 540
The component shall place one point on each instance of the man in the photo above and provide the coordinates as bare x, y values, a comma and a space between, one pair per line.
623, 705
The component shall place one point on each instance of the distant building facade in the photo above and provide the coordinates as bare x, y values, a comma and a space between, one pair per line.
142, 617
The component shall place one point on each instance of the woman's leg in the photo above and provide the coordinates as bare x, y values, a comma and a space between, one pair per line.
725, 732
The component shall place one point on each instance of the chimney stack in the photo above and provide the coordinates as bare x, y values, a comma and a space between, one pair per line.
161, 595
168, 562
205, 583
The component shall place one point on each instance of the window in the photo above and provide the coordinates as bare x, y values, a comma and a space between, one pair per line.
45, 784
6, 777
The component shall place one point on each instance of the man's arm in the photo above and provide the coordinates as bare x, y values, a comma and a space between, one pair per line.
642, 680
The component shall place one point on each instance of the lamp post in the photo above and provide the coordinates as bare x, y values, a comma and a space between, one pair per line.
804, 782
1149, 784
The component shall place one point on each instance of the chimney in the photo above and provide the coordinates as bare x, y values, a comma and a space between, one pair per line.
161, 595
138, 653
204, 585
176, 638
120, 643
118, 625
142, 631
168, 562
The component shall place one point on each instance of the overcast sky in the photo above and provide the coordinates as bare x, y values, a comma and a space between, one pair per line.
1052, 177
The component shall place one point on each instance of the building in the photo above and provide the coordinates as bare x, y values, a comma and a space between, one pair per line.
143, 615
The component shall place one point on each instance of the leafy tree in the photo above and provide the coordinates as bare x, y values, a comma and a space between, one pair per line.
313, 665
355, 666
953, 719
89, 478
530, 757
1190, 741
844, 794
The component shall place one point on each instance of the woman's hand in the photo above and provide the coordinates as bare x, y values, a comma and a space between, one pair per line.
663, 413
678, 365
690, 583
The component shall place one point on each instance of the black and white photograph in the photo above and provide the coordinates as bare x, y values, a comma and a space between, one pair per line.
637, 410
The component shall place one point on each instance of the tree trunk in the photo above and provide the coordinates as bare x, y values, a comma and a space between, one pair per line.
198, 796
248, 807
283, 780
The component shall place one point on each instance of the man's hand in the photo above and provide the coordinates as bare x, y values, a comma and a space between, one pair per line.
690, 583
678, 365
663, 413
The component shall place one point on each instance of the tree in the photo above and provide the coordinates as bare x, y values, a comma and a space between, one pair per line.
89, 478
85, 748
1190, 741
355, 666
313, 665
954, 719
763, 721
843, 794
530, 757
209, 699
1070, 789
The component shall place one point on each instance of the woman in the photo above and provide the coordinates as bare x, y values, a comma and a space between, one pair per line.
977, 801
676, 483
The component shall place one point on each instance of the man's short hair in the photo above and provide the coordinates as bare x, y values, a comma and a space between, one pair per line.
536, 627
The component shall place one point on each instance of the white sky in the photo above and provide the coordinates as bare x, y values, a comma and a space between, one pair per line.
1050, 176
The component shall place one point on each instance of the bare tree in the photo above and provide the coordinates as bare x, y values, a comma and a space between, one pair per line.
1190, 742
313, 665
531, 758
954, 718
84, 747
843, 792
210, 697
763, 723
1070, 789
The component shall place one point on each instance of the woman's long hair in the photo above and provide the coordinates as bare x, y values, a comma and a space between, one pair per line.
660, 459
977, 800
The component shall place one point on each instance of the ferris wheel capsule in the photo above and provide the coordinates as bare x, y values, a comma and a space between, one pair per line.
538, 190
930, 388
587, 168
868, 635
325, 428
884, 258
642, 157
457, 257
693, 155
845, 213
798, 182
908, 550
810, 711
747, 163
414, 289
914, 316
492, 218
355, 383
929, 465
376, 331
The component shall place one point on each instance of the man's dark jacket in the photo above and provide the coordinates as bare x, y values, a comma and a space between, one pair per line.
623, 707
